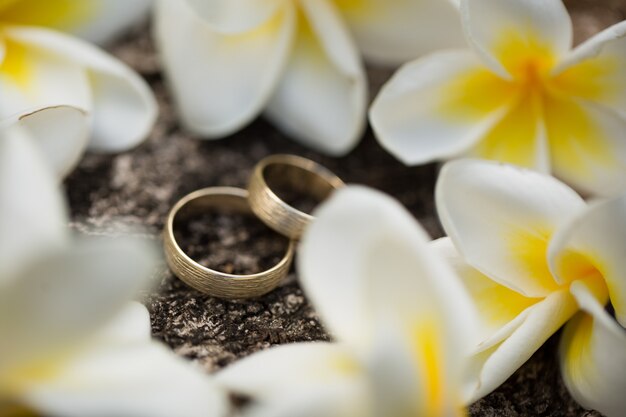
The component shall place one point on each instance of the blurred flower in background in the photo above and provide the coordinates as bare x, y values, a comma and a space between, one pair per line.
42, 67
297, 60
402, 321
71, 341
520, 95
532, 254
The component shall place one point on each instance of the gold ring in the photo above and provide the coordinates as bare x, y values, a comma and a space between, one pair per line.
209, 281
299, 174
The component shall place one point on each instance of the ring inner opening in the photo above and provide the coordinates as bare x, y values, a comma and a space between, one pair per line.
301, 189
228, 239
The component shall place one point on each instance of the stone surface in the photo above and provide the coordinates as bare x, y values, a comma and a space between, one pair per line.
139, 187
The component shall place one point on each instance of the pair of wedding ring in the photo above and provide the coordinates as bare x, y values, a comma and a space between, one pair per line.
261, 199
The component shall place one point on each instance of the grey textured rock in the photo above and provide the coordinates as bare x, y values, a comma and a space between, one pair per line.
139, 187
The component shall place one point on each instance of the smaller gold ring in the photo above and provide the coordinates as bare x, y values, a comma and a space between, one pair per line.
299, 173
207, 280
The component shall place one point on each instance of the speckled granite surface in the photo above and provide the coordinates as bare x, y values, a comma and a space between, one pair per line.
139, 187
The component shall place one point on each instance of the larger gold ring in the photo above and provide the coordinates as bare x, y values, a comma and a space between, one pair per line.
300, 174
209, 281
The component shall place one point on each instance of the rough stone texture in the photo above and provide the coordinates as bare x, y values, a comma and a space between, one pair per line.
139, 187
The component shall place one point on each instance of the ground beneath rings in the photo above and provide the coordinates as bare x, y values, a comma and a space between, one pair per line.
138, 188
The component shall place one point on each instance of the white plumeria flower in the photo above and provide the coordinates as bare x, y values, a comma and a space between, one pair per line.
532, 254
521, 95
71, 345
229, 60
400, 316
42, 67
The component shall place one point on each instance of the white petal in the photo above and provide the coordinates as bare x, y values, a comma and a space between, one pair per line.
587, 145
291, 366
123, 106
397, 380
321, 99
221, 82
333, 399
110, 18
501, 310
366, 258
118, 376
607, 42
32, 212
596, 69
438, 107
501, 218
64, 297
593, 358
500, 30
62, 132
95, 20
494, 366
396, 31
307, 379
130, 325
415, 373
235, 16
599, 236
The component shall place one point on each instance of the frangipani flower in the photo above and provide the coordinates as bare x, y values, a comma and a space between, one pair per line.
400, 316
229, 60
521, 95
41, 67
71, 345
532, 254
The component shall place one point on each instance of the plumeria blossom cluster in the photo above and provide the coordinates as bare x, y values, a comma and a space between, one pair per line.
420, 328
42, 67
520, 95
73, 343
528, 255
297, 61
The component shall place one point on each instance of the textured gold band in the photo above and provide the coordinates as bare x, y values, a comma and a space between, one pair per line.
300, 174
209, 281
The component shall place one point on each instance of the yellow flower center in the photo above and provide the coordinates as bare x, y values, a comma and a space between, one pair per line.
15, 65
55, 13
573, 266
19, 61
17, 379
535, 103
529, 63
531, 75
11, 409
530, 249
